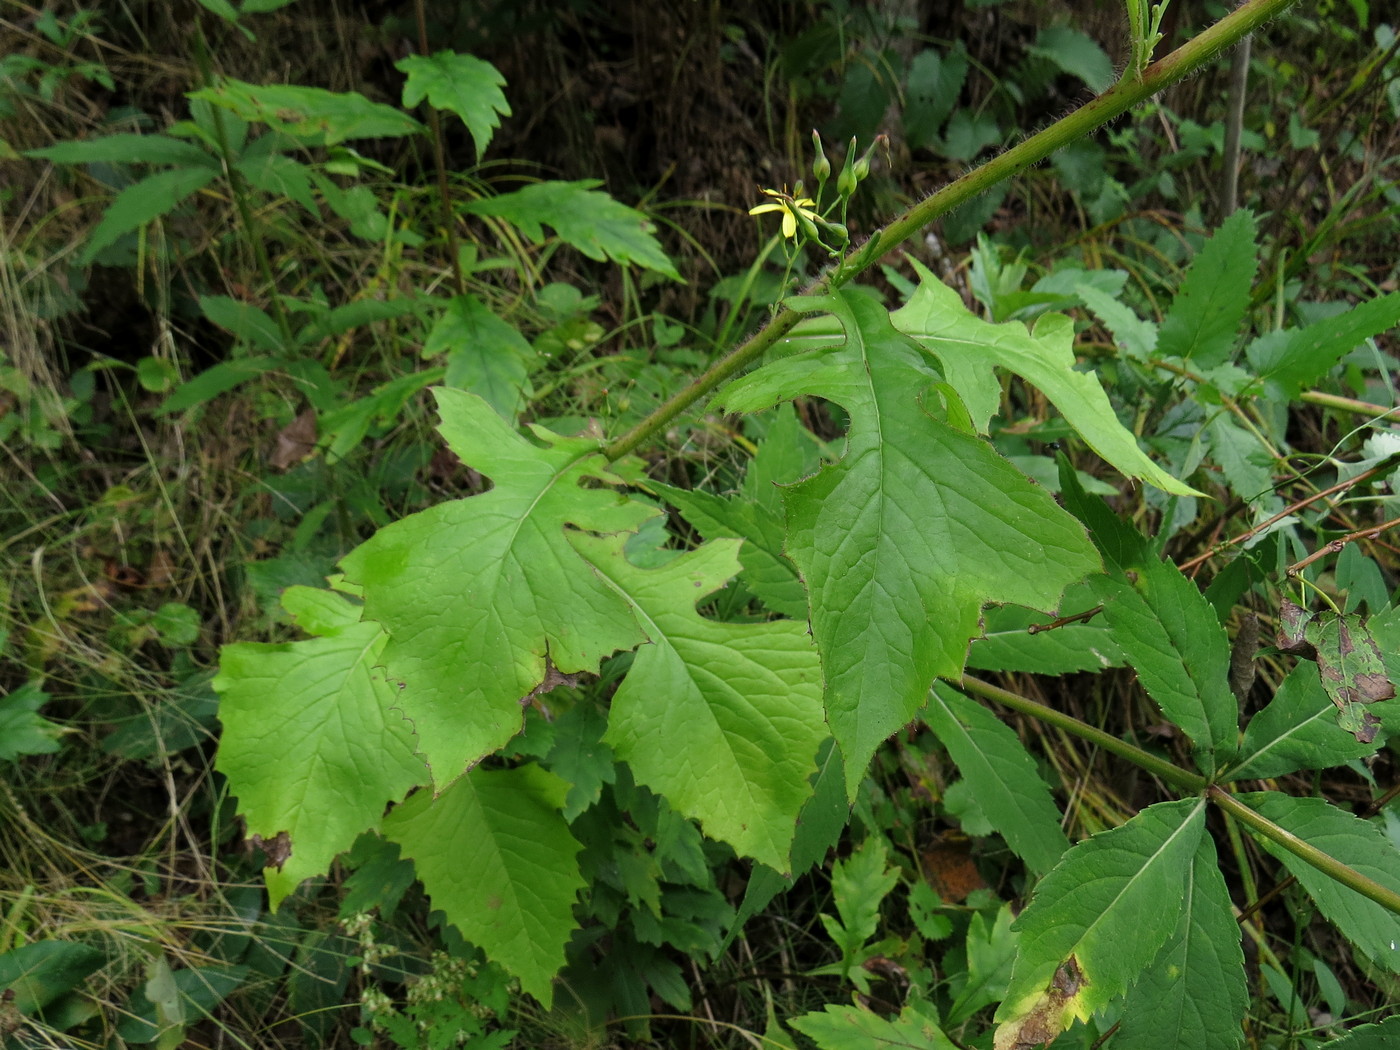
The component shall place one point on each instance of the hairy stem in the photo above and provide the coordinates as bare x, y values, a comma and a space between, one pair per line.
1113, 103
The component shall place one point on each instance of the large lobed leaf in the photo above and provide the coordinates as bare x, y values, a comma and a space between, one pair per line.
1098, 920
463, 84
904, 539
496, 857
970, 350
480, 595
721, 719
312, 745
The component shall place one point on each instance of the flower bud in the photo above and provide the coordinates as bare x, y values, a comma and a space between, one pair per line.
821, 167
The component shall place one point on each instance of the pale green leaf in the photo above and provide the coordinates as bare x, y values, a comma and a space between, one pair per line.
278, 175
1357, 843
819, 828
1290, 360
1246, 464
311, 114
497, 859
143, 201
480, 595
839, 1027
312, 743
858, 885
462, 84
904, 539
747, 695
485, 355
1193, 995
1136, 338
584, 218
23, 731
971, 349
1098, 920
1001, 775
1298, 730
1204, 319
767, 571
127, 149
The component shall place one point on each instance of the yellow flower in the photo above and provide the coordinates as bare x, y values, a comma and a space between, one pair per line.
791, 207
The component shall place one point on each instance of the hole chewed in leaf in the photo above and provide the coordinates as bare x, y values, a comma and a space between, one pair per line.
277, 850
1047, 1016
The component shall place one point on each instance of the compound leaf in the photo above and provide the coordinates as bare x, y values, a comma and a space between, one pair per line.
1193, 995
1356, 843
312, 745
747, 695
904, 539
1098, 920
463, 84
1001, 774
496, 857
970, 349
584, 218
481, 595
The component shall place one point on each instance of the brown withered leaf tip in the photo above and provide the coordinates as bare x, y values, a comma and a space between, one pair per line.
277, 850
553, 679
1044, 1024
1292, 619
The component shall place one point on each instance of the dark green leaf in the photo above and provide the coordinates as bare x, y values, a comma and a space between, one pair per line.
23, 731
1204, 319
128, 149
311, 114
1001, 775
464, 85
139, 203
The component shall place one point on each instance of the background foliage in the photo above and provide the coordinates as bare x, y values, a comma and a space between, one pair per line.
240, 299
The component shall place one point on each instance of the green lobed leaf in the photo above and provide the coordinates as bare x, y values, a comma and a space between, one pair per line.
584, 218
838, 1027
312, 114
767, 571
971, 349
1290, 360
1204, 319
1193, 995
1298, 730
1356, 843
143, 201
496, 857
23, 731
127, 149
990, 954
485, 354
481, 595
312, 743
462, 84
747, 695
1001, 775
904, 539
1098, 920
